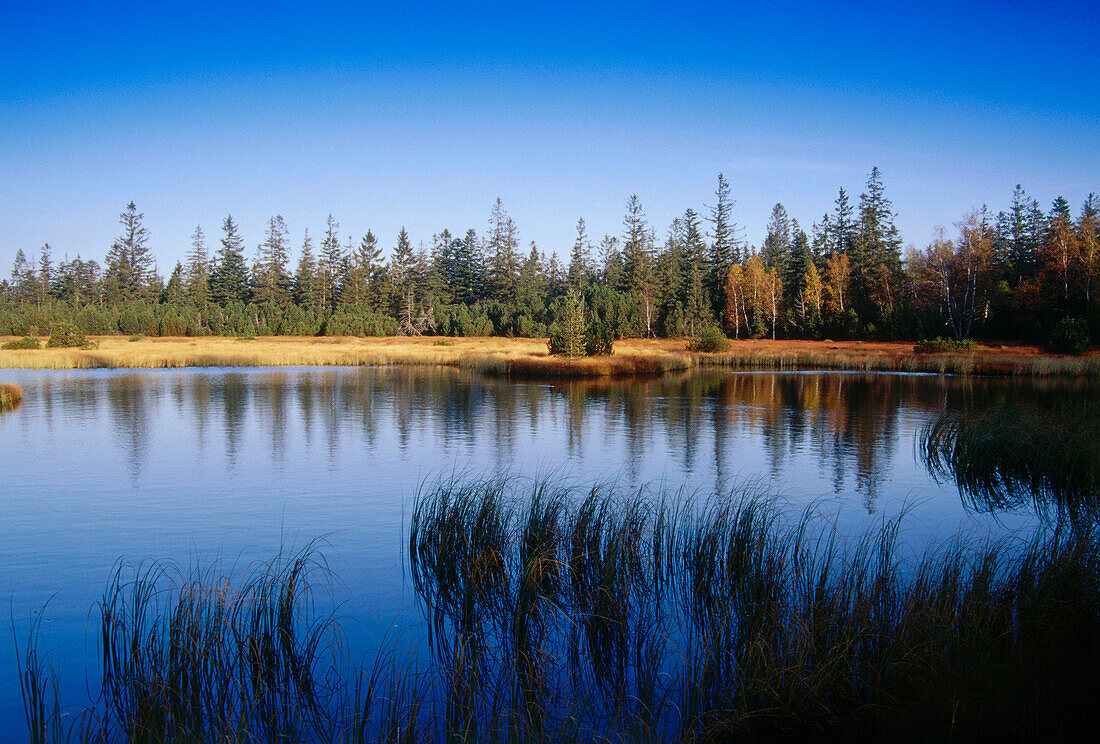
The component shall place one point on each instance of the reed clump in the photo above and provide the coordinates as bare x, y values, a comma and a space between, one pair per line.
11, 396
556, 614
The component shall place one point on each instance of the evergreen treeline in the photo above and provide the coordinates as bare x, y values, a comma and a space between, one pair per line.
1012, 275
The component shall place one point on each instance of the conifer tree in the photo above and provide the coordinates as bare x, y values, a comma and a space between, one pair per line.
724, 247
328, 265
24, 282
229, 277
129, 263
271, 281
197, 271
45, 274
305, 277
579, 259
502, 245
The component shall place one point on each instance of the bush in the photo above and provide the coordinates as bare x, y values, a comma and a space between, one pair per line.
941, 344
66, 335
599, 340
1070, 336
27, 342
710, 339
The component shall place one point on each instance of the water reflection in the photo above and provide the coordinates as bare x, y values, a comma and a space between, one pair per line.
842, 432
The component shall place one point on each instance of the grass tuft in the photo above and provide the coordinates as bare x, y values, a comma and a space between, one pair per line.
10, 396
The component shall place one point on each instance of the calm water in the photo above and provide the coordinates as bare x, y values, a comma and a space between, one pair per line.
193, 466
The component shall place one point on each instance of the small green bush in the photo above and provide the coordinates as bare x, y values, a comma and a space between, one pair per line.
65, 336
1070, 336
941, 344
710, 339
441, 342
137, 337
599, 340
27, 342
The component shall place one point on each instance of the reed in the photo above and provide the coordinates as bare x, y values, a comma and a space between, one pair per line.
558, 615
10, 396
522, 357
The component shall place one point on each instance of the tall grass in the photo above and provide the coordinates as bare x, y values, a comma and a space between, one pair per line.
10, 396
1006, 456
523, 357
604, 615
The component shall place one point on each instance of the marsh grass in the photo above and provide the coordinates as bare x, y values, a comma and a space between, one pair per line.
11, 396
557, 614
1007, 456
521, 357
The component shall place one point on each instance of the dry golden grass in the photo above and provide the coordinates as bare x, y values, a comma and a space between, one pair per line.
529, 357
10, 396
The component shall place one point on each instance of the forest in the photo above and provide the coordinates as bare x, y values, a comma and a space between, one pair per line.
1020, 274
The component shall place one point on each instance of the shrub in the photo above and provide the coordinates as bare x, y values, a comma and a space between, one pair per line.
27, 342
710, 339
599, 340
941, 344
1070, 336
66, 335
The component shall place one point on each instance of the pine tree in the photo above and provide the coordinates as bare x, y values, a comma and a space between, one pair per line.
197, 271
270, 278
364, 264
328, 265
876, 254
229, 277
503, 258
725, 249
305, 277
579, 259
637, 275
129, 263
776, 251
45, 274
842, 228
24, 282
174, 291
695, 300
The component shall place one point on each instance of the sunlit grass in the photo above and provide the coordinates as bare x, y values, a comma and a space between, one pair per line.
529, 357
10, 396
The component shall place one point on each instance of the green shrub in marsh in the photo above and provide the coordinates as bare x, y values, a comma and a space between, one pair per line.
27, 342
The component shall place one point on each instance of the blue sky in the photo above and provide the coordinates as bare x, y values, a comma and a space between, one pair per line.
421, 114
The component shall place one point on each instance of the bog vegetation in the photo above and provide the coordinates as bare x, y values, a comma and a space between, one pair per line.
1021, 274
10, 396
602, 615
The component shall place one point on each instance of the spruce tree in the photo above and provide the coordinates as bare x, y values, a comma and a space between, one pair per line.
579, 259
129, 263
724, 248
45, 274
328, 265
270, 278
197, 271
229, 277
502, 245
305, 277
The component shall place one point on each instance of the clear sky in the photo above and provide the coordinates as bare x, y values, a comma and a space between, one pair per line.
421, 114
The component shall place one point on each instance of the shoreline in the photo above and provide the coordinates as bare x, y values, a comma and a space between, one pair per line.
528, 358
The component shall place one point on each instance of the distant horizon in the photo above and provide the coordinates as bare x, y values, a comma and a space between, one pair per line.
422, 115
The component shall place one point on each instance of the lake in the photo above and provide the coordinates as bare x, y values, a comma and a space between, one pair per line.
199, 465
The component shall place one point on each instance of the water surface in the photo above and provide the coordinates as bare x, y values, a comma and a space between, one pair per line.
197, 465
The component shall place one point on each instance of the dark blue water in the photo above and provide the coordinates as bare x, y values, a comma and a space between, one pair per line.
196, 466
